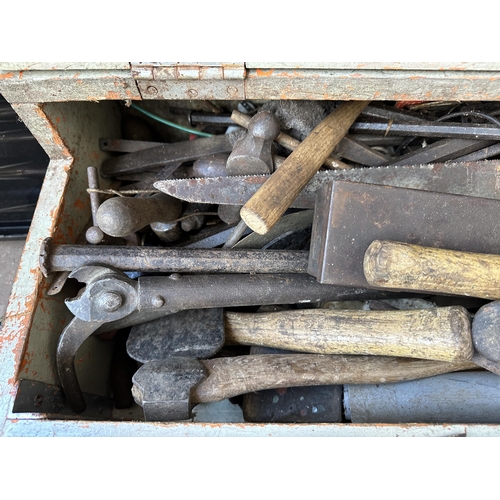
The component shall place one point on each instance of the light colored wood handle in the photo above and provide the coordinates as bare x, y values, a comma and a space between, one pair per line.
390, 264
272, 199
286, 140
442, 334
230, 377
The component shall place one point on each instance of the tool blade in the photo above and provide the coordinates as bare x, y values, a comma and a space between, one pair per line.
479, 179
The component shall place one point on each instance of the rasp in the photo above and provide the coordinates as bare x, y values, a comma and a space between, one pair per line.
480, 179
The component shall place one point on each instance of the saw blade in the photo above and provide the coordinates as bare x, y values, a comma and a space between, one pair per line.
480, 179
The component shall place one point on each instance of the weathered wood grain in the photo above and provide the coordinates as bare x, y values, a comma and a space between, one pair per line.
396, 265
229, 377
442, 334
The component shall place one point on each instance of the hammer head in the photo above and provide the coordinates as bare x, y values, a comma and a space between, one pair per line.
252, 154
196, 333
163, 388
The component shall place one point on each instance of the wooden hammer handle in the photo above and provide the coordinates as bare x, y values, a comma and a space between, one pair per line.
229, 377
390, 264
272, 199
286, 141
441, 334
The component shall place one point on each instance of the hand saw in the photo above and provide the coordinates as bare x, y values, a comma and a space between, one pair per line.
479, 179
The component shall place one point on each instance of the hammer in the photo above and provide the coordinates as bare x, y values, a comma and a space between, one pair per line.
167, 390
396, 265
441, 334
122, 216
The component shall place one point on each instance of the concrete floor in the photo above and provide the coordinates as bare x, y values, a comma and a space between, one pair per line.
10, 254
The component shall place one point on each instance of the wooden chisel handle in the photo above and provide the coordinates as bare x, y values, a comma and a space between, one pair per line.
442, 334
275, 196
286, 141
390, 264
230, 377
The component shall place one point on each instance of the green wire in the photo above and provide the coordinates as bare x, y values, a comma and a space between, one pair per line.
170, 124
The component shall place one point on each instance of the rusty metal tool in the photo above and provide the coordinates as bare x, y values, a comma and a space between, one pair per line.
443, 150
350, 215
160, 156
270, 202
121, 216
481, 154
252, 153
287, 141
402, 333
430, 129
479, 179
110, 301
208, 236
167, 390
353, 150
94, 234
54, 258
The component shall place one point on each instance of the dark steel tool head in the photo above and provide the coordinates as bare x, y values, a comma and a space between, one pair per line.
197, 333
252, 154
108, 296
486, 337
163, 389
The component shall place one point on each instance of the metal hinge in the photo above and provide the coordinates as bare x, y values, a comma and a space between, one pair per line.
199, 80
188, 71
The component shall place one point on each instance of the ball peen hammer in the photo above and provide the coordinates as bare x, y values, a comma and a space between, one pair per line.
270, 202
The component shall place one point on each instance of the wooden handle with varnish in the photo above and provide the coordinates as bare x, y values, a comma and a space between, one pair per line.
442, 334
230, 377
395, 265
274, 197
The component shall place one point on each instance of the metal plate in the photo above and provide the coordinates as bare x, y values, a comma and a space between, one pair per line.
349, 216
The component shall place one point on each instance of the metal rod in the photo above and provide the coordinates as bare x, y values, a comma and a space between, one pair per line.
430, 129
54, 258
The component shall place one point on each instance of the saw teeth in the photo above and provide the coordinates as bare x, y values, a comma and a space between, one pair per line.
175, 181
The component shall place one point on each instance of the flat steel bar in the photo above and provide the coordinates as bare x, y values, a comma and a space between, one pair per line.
430, 129
443, 150
482, 154
167, 153
353, 150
